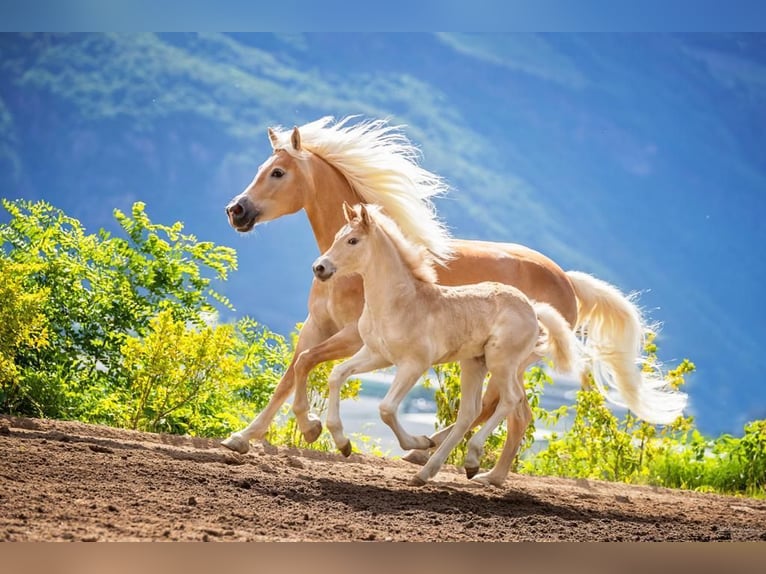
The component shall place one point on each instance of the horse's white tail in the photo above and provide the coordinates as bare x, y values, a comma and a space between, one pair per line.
614, 340
561, 346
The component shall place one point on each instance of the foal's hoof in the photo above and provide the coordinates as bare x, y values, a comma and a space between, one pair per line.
345, 450
419, 457
313, 432
470, 471
417, 481
487, 479
237, 444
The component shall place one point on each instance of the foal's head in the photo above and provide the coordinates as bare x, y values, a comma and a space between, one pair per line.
350, 252
352, 249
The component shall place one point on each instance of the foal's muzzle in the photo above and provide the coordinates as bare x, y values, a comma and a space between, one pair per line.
242, 214
323, 269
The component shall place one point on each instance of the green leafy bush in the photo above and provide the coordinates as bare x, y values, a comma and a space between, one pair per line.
23, 326
95, 291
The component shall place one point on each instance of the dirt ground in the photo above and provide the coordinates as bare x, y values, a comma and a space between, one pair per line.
71, 481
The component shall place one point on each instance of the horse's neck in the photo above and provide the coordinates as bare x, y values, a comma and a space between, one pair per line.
329, 189
388, 280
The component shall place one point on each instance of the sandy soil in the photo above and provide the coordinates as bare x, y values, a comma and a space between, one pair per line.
72, 481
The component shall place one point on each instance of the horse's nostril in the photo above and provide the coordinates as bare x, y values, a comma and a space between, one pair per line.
235, 209
319, 268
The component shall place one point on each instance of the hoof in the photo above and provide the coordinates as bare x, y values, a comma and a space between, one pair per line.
431, 443
313, 432
487, 480
237, 444
417, 481
345, 450
419, 457
470, 471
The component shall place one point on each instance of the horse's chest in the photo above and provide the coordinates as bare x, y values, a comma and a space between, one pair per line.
338, 303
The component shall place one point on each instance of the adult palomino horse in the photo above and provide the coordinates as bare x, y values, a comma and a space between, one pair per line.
320, 165
413, 323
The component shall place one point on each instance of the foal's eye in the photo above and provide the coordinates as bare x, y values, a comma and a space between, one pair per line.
353, 241
277, 172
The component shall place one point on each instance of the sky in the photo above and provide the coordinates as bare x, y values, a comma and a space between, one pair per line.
636, 157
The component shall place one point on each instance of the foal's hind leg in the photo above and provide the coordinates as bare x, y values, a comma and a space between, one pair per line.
518, 421
488, 406
473, 371
502, 379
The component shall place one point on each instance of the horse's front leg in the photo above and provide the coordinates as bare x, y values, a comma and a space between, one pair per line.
342, 344
240, 441
363, 361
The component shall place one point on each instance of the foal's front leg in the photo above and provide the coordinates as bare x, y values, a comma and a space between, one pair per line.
406, 377
363, 361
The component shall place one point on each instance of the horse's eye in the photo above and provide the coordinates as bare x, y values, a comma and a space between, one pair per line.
353, 241
277, 172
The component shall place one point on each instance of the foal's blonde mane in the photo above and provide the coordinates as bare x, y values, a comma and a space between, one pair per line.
381, 165
417, 258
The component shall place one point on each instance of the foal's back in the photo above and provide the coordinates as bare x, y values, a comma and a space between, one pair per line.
468, 321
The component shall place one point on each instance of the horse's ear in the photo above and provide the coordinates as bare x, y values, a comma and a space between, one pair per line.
296, 139
348, 212
273, 138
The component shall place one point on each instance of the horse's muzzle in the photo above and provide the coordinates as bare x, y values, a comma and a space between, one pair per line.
323, 269
242, 214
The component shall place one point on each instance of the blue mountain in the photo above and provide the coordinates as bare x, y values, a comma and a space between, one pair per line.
638, 158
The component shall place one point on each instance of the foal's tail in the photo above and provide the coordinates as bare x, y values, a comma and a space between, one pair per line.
561, 346
614, 341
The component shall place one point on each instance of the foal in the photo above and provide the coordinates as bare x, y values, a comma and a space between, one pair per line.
411, 322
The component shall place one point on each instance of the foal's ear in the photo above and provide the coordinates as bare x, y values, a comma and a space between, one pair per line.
364, 215
348, 212
295, 138
273, 138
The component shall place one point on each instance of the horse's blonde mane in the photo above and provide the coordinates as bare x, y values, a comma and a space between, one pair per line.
417, 257
381, 165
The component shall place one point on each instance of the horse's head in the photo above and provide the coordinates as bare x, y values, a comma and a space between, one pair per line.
278, 187
350, 251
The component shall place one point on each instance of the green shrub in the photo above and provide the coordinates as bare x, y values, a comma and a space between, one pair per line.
23, 327
97, 290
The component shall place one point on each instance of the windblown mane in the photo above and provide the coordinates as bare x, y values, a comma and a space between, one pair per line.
417, 258
381, 165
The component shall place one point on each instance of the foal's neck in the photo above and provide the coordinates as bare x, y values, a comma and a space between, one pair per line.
324, 204
388, 278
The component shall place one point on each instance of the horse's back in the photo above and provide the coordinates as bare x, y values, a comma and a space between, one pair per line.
526, 269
